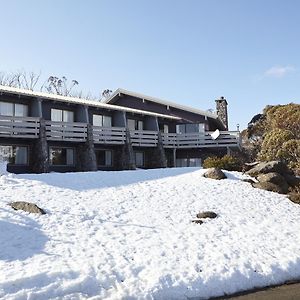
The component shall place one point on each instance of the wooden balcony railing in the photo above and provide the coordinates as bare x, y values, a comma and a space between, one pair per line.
200, 140
66, 131
144, 138
28, 127
109, 135
19, 127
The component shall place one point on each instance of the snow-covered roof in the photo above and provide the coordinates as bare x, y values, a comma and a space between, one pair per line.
74, 100
160, 101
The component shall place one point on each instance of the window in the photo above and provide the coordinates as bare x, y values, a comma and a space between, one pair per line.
188, 162
60, 115
135, 124
62, 156
104, 157
15, 155
13, 109
101, 120
139, 159
181, 162
190, 128
164, 128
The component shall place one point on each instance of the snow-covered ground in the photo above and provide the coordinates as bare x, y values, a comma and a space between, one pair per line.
129, 235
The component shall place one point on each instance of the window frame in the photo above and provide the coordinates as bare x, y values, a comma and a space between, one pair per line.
60, 165
143, 155
102, 120
15, 146
105, 151
14, 104
137, 124
62, 111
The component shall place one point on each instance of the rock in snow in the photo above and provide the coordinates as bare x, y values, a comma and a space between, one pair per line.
128, 235
214, 173
27, 206
268, 167
206, 214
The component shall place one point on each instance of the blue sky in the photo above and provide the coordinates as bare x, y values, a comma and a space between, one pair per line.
190, 52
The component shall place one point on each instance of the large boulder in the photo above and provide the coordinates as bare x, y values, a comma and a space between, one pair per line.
269, 186
292, 180
214, 173
275, 178
268, 167
27, 206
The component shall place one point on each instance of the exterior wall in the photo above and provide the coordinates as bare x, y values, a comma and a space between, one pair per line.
188, 117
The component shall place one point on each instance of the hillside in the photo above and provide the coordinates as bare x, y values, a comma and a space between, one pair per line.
129, 235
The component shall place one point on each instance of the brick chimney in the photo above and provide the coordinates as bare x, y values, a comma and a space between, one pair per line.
221, 106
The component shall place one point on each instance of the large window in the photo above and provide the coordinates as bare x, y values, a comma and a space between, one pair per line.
104, 157
15, 155
101, 120
139, 159
60, 115
61, 156
190, 128
135, 124
13, 109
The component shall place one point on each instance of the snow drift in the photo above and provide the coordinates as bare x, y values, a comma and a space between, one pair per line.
129, 235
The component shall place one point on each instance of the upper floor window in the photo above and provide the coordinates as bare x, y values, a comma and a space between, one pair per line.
164, 128
135, 124
190, 128
101, 120
13, 109
60, 115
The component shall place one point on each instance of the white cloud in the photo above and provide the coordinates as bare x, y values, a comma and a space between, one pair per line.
279, 71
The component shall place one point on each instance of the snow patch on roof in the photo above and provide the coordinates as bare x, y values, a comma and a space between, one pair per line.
74, 100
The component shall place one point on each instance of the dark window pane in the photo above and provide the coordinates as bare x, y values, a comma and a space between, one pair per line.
62, 156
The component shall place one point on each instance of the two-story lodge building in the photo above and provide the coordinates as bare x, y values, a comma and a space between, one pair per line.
41, 132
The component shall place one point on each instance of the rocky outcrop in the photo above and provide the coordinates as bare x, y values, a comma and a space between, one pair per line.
269, 186
268, 167
275, 176
214, 173
27, 206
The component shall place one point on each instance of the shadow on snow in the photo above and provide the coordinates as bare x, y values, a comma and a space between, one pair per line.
21, 240
83, 181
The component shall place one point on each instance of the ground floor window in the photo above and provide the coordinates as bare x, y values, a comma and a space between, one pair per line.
188, 162
15, 155
104, 157
61, 156
139, 159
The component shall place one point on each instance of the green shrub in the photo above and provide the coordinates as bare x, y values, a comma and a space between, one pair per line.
272, 143
226, 162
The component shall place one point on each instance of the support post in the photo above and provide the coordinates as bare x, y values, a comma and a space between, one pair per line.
86, 157
174, 157
40, 155
127, 156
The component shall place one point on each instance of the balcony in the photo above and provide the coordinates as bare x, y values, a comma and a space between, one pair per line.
19, 127
28, 127
201, 140
144, 138
109, 135
66, 131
